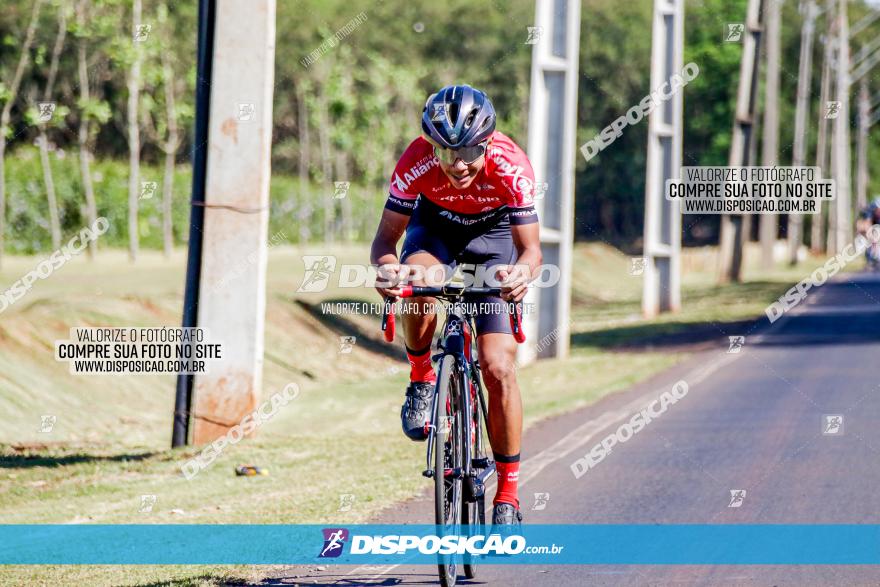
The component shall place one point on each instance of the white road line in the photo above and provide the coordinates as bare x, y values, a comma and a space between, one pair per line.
586, 432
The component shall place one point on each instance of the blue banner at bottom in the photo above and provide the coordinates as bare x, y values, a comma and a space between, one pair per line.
733, 544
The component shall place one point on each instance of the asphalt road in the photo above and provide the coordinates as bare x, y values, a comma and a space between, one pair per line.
751, 420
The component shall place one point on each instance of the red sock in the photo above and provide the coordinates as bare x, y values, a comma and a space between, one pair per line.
420, 365
507, 470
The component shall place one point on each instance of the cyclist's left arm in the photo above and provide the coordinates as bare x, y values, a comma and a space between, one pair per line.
517, 178
515, 279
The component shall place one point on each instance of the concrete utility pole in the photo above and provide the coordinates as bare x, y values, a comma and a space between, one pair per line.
840, 144
732, 237
809, 10
236, 214
863, 62
662, 274
552, 149
768, 226
817, 223
862, 146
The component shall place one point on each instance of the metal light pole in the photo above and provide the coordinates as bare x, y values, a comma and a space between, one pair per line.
841, 230
817, 222
768, 224
551, 150
799, 154
662, 275
205, 60
862, 146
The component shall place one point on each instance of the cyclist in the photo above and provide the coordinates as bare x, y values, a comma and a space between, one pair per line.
869, 216
463, 193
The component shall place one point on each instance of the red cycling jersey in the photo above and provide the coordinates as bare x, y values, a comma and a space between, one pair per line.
506, 178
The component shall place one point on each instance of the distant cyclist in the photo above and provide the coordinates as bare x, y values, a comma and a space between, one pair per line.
869, 216
462, 192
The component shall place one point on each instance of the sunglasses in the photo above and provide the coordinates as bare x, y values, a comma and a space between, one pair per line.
467, 154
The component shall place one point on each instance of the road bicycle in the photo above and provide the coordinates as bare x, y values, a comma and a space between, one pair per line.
457, 459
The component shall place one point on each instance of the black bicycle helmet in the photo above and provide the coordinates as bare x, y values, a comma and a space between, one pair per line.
458, 116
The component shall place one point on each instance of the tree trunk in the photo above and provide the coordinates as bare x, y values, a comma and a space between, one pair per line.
5, 115
326, 171
85, 154
2, 191
49, 181
43, 140
86, 173
171, 146
345, 203
303, 205
134, 139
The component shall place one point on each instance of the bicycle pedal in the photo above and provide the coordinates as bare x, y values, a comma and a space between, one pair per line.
473, 489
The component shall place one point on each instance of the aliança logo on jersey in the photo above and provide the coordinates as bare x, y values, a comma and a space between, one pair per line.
334, 542
465, 221
421, 167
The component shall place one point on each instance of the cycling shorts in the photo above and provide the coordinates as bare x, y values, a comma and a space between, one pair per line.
471, 240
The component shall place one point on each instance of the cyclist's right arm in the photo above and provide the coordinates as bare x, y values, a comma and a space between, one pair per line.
383, 253
399, 207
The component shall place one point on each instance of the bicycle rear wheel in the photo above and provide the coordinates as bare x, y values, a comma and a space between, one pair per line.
448, 463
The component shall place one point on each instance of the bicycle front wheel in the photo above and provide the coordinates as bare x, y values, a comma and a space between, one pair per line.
448, 463
474, 511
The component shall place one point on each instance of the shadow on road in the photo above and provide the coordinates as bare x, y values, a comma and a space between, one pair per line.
27, 459
366, 578
662, 336
848, 312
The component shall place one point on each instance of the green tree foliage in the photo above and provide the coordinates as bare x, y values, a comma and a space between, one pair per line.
346, 115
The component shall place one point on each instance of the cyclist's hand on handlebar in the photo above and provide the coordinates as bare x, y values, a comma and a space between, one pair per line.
389, 277
514, 282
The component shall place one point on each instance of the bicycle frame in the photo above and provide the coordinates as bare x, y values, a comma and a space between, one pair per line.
458, 340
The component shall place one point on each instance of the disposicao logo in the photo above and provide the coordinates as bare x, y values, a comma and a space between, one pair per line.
334, 541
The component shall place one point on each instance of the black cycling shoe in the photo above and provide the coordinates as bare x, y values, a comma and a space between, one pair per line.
506, 519
414, 412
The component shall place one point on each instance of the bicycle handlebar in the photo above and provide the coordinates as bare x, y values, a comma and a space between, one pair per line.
452, 292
